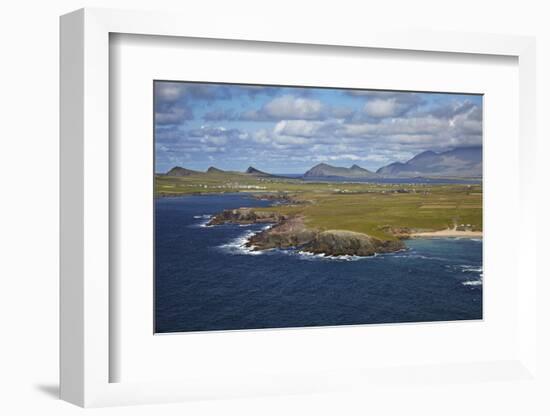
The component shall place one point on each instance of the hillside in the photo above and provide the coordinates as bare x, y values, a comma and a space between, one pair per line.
179, 171
323, 170
465, 162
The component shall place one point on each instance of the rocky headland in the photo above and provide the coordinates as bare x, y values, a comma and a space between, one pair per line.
246, 216
292, 232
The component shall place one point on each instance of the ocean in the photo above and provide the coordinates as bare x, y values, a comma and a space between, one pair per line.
206, 280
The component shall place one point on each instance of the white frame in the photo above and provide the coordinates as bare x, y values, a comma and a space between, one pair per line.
85, 191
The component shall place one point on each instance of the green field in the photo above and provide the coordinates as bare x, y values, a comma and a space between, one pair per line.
360, 207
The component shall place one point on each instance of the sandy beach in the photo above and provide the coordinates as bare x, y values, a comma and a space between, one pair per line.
450, 232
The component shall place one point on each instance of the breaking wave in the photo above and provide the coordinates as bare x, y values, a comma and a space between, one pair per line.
238, 245
204, 221
306, 255
465, 268
412, 255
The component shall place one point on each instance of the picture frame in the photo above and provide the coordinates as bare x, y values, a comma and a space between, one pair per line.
86, 263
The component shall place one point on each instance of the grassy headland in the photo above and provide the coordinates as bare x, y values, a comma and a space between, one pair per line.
383, 211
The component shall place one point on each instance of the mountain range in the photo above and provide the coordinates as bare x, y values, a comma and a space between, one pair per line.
251, 171
463, 162
323, 170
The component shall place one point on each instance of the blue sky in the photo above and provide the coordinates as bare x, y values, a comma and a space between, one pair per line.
291, 129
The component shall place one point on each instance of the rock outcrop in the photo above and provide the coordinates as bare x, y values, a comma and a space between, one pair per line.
246, 216
291, 232
343, 242
288, 233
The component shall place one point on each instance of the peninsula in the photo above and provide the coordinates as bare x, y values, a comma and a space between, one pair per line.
335, 218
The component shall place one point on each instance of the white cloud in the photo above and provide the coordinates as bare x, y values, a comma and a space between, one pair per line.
261, 136
217, 140
290, 107
302, 128
382, 108
287, 107
169, 92
377, 128
173, 115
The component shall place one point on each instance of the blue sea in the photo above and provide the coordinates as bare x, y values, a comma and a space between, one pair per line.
205, 279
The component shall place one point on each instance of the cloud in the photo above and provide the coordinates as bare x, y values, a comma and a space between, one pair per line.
378, 108
340, 112
453, 109
299, 128
254, 90
287, 107
168, 92
216, 135
174, 100
379, 105
220, 114
411, 132
293, 129
174, 114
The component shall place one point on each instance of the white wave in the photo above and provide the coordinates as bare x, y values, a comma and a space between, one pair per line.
415, 256
201, 224
473, 282
465, 268
239, 245
204, 223
306, 255
477, 240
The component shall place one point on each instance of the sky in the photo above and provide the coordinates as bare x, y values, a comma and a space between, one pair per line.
291, 129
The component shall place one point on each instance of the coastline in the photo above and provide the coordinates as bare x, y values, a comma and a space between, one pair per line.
291, 232
448, 233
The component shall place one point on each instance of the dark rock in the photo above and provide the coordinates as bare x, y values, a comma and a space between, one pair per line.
291, 232
342, 242
246, 216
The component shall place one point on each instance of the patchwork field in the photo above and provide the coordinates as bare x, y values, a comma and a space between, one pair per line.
374, 209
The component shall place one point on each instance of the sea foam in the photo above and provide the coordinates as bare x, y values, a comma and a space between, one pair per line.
203, 223
306, 255
238, 245
473, 282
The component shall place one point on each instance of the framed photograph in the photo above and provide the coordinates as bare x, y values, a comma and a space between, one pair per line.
285, 206
273, 213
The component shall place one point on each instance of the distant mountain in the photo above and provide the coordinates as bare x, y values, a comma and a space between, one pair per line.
179, 171
213, 169
256, 172
463, 162
323, 170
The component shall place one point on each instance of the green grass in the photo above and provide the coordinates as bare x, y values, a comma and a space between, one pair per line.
360, 207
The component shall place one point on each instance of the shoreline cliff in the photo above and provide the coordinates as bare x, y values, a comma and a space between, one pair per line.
291, 232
